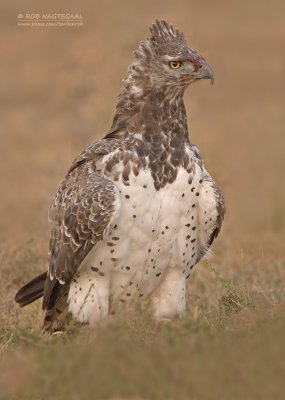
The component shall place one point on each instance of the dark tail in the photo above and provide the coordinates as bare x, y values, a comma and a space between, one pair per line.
31, 291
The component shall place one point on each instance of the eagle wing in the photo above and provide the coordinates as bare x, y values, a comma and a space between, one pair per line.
211, 208
81, 214
211, 213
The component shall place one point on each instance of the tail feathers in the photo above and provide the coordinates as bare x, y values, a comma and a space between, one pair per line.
31, 291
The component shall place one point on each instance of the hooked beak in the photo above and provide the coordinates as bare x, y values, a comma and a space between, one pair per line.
205, 71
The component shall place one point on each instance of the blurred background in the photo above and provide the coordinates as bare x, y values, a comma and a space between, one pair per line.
58, 92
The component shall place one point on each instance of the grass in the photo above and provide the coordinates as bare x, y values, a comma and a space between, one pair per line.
230, 298
228, 346
57, 95
136, 357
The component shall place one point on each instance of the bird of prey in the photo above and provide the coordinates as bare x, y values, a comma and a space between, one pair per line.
137, 209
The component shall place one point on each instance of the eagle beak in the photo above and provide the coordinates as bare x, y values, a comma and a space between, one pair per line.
205, 72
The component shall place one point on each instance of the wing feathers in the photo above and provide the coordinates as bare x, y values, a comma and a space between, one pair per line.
83, 209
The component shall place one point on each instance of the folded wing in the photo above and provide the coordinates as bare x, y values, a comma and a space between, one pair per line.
81, 214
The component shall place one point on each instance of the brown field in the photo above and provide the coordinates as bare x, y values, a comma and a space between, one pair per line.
58, 91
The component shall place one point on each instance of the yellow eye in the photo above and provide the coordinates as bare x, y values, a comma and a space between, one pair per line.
175, 64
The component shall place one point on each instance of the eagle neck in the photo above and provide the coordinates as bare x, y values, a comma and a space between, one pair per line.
152, 113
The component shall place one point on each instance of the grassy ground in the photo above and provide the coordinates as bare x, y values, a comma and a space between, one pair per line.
58, 94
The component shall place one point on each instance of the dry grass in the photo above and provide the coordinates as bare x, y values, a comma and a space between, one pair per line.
57, 94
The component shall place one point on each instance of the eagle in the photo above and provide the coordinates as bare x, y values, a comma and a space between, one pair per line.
137, 209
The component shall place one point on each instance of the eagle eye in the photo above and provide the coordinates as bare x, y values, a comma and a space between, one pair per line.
175, 64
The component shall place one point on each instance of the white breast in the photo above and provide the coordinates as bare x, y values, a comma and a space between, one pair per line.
155, 230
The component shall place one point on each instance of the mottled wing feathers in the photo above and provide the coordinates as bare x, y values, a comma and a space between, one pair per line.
211, 209
221, 210
212, 212
95, 151
81, 213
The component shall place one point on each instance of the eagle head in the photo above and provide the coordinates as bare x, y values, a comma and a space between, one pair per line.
164, 60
